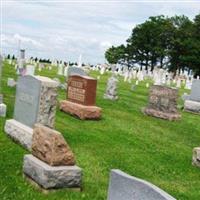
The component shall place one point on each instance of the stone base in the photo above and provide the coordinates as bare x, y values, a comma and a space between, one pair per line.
192, 106
47, 191
51, 177
196, 157
162, 115
81, 111
19, 133
110, 97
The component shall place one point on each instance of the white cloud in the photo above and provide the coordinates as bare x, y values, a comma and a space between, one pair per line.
63, 29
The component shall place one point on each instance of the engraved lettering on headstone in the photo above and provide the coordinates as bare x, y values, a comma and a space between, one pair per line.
24, 97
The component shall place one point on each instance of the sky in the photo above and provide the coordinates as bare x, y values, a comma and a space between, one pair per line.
65, 29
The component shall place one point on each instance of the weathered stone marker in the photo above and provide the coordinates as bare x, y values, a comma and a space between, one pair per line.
125, 187
35, 103
163, 103
192, 104
111, 90
75, 71
196, 156
81, 98
52, 163
49, 146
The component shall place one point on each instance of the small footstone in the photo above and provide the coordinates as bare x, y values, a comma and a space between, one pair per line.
51, 177
196, 156
81, 111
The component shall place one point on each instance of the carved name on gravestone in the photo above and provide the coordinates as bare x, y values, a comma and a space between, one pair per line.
163, 103
82, 90
125, 187
35, 101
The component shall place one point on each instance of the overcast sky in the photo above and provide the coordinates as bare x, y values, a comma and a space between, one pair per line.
65, 29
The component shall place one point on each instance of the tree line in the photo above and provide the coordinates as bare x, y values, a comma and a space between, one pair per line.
165, 42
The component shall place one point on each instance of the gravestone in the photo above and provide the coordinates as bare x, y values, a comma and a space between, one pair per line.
82, 90
35, 103
192, 104
111, 90
196, 157
125, 187
81, 98
163, 103
75, 71
11, 82
60, 69
21, 63
30, 70
52, 163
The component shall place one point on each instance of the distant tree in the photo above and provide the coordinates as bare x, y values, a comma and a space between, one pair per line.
115, 54
149, 41
181, 43
8, 57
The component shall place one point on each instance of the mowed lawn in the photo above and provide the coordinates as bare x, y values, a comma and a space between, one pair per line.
156, 150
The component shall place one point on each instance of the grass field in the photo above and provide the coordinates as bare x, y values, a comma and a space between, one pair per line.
156, 150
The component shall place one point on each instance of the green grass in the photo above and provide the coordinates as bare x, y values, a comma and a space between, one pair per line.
156, 150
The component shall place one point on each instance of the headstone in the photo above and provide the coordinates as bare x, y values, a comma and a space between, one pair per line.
133, 87
60, 69
66, 71
35, 103
111, 90
52, 165
196, 157
11, 82
81, 98
30, 70
21, 63
192, 104
102, 71
75, 71
125, 187
82, 90
3, 109
195, 91
163, 103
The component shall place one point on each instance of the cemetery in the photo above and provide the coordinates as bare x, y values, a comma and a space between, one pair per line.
125, 128
127, 137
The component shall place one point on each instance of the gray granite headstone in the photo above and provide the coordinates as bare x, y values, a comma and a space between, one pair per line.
35, 101
76, 71
125, 187
195, 91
